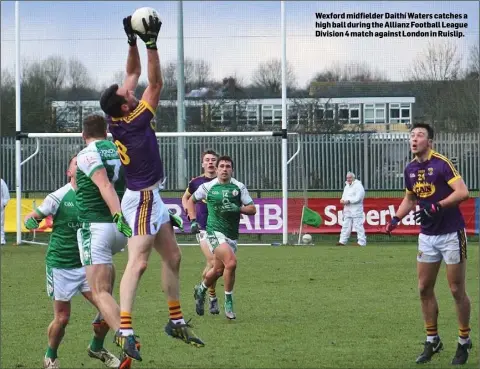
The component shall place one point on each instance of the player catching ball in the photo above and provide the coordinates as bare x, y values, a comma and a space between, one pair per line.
209, 160
66, 277
433, 182
226, 200
129, 122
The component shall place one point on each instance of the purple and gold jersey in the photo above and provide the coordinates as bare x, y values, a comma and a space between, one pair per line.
430, 182
137, 146
201, 206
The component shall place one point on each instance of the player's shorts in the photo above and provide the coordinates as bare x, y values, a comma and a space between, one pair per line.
63, 284
202, 235
215, 239
451, 247
98, 242
144, 211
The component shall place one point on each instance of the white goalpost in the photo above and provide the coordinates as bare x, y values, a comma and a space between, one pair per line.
283, 134
39, 136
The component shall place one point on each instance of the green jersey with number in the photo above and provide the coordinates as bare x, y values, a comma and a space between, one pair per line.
101, 154
220, 197
62, 252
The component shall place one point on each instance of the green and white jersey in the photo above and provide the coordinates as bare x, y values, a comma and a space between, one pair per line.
62, 252
219, 198
97, 155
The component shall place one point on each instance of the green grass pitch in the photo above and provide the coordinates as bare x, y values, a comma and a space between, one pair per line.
297, 307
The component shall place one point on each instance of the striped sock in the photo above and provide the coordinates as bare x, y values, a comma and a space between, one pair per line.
432, 331
175, 312
212, 293
463, 335
126, 324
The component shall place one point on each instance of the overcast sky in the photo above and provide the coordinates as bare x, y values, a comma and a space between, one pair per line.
234, 37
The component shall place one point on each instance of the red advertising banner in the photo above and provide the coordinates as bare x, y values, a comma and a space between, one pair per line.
377, 212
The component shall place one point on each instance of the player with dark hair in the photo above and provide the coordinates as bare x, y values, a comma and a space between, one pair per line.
209, 160
434, 183
66, 277
227, 199
129, 122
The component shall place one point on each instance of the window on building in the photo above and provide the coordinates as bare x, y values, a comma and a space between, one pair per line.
354, 113
349, 113
272, 114
374, 113
400, 113
323, 113
247, 114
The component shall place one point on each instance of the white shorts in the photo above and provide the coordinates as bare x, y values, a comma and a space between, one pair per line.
144, 211
202, 235
63, 284
98, 242
451, 247
215, 239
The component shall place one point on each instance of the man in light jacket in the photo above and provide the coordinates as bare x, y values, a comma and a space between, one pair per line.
352, 201
5, 197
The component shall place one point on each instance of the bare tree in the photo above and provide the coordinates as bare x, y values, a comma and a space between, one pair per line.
78, 75
169, 74
473, 70
268, 75
439, 62
119, 77
55, 69
351, 72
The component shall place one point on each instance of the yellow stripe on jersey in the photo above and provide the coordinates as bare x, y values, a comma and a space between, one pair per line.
148, 106
453, 179
134, 114
446, 160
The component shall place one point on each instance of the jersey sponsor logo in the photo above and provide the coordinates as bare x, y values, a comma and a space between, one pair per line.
69, 204
234, 192
108, 152
74, 225
424, 189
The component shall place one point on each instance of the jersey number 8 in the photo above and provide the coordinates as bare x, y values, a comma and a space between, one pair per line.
122, 152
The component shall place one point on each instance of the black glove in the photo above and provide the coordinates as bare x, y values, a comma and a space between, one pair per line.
194, 226
392, 225
427, 213
152, 28
127, 26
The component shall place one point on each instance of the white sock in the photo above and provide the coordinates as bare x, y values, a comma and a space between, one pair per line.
126, 332
463, 341
178, 321
432, 338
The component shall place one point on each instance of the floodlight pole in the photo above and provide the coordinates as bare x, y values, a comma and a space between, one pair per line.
284, 127
18, 124
181, 148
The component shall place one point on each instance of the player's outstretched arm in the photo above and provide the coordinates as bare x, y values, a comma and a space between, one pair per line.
133, 68
49, 206
155, 82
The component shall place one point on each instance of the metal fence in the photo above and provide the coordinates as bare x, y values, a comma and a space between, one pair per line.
378, 160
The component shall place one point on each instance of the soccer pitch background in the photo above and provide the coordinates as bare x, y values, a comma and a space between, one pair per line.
297, 307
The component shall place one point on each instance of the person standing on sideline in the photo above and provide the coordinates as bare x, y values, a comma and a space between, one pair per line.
5, 198
352, 201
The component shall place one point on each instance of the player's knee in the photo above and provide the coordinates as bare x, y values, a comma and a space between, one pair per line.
231, 264
139, 267
62, 319
425, 289
458, 291
174, 258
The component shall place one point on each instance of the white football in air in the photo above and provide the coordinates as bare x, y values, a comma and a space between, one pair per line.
141, 13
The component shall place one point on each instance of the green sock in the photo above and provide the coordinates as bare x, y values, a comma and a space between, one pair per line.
228, 296
51, 353
96, 344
